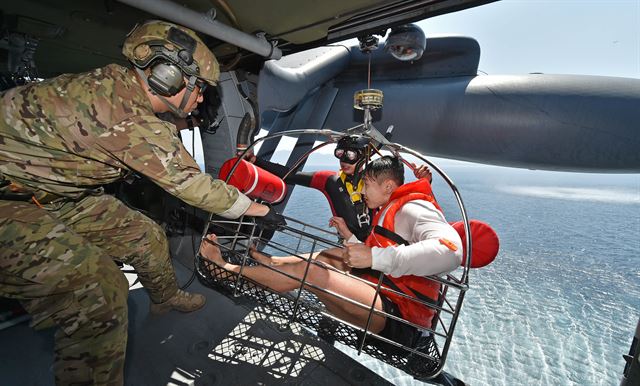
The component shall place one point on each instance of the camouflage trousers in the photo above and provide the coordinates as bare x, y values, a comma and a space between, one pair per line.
58, 263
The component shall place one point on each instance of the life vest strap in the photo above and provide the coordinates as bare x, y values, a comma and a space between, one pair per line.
403, 288
387, 283
393, 236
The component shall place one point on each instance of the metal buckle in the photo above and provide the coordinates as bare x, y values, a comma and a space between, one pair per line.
363, 219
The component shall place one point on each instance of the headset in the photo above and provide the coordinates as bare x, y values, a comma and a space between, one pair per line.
169, 63
169, 66
166, 79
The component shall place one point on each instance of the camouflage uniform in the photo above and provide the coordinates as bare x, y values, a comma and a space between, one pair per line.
60, 139
62, 279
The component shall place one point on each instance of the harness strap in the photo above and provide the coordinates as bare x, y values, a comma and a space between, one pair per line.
13, 192
393, 236
353, 188
40, 197
401, 287
15, 196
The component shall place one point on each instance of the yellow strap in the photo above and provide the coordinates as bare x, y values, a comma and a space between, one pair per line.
354, 194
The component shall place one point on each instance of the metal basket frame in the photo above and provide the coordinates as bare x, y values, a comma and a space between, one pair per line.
425, 360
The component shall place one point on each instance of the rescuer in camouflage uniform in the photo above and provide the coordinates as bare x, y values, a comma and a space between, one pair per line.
61, 140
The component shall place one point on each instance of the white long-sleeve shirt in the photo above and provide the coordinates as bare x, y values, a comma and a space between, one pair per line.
422, 225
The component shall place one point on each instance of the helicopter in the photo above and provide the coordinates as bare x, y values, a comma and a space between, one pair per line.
280, 71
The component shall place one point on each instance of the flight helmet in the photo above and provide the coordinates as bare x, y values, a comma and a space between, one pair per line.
171, 52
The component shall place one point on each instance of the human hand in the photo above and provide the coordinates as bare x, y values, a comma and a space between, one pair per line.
422, 172
357, 255
249, 157
341, 227
271, 220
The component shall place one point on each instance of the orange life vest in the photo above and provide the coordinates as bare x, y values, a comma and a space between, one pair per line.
414, 286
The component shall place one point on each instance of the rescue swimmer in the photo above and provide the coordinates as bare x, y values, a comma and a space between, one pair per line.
61, 139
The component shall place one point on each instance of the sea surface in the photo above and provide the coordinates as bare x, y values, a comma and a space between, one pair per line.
560, 304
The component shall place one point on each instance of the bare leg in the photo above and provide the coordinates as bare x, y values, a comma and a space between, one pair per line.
331, 256
317, 276
334, 258
280, 260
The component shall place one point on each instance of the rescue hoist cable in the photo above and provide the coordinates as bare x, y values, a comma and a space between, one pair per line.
369, 70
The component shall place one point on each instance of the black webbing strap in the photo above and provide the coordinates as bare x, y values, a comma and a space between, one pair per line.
7, 194
396, 238
393, 236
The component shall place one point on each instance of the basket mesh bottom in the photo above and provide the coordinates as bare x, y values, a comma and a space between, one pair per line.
424, 365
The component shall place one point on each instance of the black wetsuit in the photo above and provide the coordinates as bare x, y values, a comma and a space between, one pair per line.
356, 215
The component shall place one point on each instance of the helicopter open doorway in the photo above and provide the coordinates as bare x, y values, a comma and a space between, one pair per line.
424, 360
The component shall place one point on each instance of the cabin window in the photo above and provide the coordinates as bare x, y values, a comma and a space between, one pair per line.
193, 143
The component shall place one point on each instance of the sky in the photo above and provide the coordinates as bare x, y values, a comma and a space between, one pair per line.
587, 37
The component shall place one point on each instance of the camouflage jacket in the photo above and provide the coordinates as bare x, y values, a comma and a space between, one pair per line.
74, 132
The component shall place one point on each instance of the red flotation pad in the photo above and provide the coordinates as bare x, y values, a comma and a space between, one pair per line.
254, 181
484, 242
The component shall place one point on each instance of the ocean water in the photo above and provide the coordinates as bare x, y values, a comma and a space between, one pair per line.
559, 305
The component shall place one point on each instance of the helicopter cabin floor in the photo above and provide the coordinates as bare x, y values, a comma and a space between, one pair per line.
222, 344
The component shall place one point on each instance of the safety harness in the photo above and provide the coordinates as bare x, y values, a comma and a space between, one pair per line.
12, 191
355, 194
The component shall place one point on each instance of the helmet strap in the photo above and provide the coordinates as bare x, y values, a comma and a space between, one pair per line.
191, 85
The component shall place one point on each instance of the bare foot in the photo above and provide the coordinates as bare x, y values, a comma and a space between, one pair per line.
209, 250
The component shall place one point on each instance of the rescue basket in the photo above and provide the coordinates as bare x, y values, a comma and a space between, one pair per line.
424, 358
